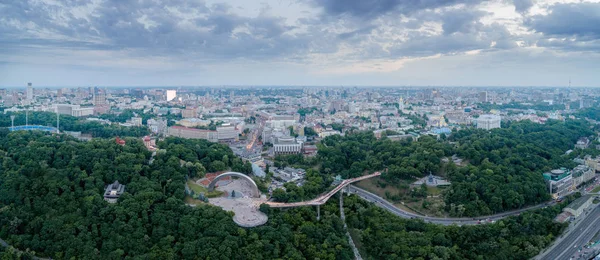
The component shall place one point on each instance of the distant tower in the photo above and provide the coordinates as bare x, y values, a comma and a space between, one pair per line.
29, 91
12, 119
57, 123
99, 97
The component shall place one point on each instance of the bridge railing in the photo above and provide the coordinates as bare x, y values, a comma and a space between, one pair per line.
322, 198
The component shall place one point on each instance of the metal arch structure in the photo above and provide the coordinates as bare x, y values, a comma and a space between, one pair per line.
212, 184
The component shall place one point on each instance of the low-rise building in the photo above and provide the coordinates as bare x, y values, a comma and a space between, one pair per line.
582, 174
189, 112
559, 181
227, 132
193, 133
582, 143
193, 122
74, 110
579, 205
488, 122
157, 126
329, 132
113, 192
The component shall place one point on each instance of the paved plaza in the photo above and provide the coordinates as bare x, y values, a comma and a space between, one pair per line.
245, 208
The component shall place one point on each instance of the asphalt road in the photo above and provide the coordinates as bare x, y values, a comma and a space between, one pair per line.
443, 221
575, 239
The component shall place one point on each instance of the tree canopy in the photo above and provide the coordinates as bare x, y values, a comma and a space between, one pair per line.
51, 202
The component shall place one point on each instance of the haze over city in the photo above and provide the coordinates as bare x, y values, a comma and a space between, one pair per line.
300, 129
303, 42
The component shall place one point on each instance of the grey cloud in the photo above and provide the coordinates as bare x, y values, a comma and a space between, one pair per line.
115, 24
361, 31
461, 21
442, 44
522, 6
569, 20
369, 9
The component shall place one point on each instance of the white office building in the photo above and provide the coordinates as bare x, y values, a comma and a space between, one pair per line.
488, 122
73, 110
287, 145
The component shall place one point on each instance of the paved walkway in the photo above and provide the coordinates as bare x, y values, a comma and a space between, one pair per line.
343, 217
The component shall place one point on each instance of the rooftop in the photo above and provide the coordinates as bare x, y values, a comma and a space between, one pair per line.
578, 203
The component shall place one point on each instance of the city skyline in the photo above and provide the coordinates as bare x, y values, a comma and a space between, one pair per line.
315, 43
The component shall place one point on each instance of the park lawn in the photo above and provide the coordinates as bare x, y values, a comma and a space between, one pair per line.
597, 189
191, 201
196, 188
201, 189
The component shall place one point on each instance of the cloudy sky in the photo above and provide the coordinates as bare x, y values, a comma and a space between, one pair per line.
300, 42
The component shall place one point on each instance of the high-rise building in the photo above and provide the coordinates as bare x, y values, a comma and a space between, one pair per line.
99, 97
171, 94
483, 96
29, 91
189, 112
137, 93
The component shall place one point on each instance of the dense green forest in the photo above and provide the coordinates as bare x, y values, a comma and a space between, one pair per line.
71, 123
506, 165
51, 202
385, 236
503, 171
591, 113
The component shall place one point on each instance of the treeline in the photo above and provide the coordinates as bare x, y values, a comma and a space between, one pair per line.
353, 155
504, 166
382, 235
591, 113
71, 123
213, 157
127, 114
51, 202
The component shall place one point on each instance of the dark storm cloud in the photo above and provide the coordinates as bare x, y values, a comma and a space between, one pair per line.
369, 9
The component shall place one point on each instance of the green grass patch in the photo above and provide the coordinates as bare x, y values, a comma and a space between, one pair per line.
201, 189
597, 189
191, 201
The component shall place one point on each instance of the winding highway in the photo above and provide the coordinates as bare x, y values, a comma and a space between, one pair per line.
578, 235
382, 203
